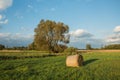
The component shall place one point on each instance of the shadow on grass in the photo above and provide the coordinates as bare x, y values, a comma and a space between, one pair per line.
89, 61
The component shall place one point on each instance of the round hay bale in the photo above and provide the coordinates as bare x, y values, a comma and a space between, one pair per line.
74, 60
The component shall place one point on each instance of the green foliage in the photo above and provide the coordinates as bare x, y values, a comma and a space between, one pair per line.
60, 48
31, 46
49, 33
97, 66
88, 46
2, 47
70, 50
112, 46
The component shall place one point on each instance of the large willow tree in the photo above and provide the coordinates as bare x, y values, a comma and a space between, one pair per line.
49, 34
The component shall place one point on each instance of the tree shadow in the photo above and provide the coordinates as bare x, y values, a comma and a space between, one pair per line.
89, 61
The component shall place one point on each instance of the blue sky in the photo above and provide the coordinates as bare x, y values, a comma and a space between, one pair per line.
96, 22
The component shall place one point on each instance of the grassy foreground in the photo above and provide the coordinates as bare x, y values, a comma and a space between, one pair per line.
97, 66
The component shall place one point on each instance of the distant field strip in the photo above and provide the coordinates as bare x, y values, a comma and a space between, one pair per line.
4, 55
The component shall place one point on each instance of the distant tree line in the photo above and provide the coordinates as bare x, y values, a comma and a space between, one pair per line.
112, 46
61, 47
18, 48
2, 47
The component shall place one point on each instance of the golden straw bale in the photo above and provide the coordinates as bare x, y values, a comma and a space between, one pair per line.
74, 60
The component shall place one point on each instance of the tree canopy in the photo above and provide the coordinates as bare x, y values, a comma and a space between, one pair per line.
49, 34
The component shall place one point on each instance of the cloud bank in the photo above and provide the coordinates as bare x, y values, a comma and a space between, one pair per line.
81, 37
17, 39
4, 22
117, 29
4, 4
115, 37
80, 33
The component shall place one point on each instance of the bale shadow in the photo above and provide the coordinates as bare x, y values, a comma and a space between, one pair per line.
89, 61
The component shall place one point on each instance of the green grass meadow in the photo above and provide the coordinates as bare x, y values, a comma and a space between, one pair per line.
97, 66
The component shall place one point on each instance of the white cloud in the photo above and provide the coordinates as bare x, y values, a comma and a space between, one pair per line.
117, 29
4, 35
81, 42
17, 39
4, 4
4, 21
15, 36
80, 33
115, 41
80, 37
115, 37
